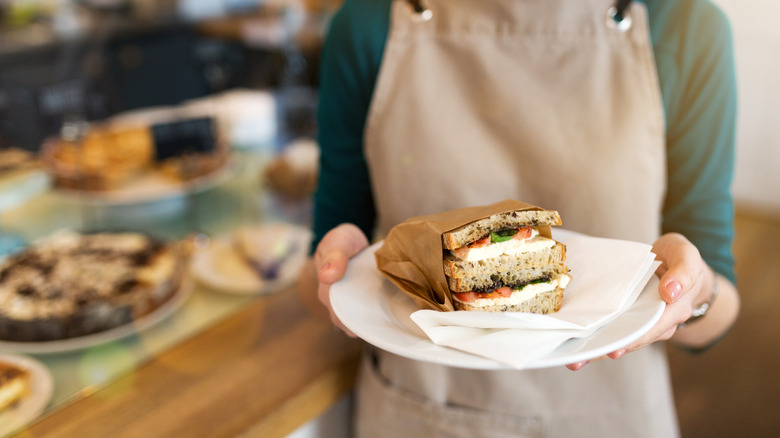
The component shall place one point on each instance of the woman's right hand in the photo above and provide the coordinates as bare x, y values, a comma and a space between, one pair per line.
333, 253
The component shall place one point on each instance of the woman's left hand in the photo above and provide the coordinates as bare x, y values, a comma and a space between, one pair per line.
683, 275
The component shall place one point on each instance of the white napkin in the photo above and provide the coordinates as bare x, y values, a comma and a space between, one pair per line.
607, 277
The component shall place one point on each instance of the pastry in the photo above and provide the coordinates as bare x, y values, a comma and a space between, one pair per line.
72, 284
111, 155
14, 159
14, 384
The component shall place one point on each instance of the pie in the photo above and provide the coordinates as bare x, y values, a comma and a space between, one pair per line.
72, 284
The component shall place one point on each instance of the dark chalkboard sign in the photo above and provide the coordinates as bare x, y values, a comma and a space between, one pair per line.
184, 137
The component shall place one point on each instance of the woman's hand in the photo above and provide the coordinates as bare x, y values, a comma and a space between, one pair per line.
333, 253
686, 281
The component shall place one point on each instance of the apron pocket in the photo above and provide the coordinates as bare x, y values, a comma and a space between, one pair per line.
385, 410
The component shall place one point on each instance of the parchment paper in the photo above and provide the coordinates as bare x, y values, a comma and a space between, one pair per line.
411, 256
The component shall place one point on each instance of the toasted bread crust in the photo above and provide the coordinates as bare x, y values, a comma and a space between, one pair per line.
549, 302
473, 231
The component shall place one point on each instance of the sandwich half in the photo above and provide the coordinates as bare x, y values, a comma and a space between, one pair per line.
507, 262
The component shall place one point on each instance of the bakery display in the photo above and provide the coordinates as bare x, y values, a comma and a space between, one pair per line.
265, 249
13, 160
293, 173
253, 259
14, 384
111, 156
506, 262
21, 179
72, 284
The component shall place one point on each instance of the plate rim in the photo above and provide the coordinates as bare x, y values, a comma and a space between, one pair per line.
448, 356
181, 295
42, 391
121, 197
265, 287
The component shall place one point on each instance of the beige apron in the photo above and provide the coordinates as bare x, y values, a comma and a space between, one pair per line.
546, 102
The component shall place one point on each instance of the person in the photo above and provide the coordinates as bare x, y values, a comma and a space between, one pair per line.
620, 115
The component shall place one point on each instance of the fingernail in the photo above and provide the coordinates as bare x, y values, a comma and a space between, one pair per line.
325, 267
578, 366
674, 288
618, 354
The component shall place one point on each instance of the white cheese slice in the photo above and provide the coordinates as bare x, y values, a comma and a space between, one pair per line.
525, 293
511, 247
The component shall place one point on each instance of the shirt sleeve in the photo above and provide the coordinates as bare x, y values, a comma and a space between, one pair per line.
350, 64
701, 105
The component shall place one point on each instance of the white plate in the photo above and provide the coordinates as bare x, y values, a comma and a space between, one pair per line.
86, 341
378, 312
219, 267
30, 407
149, 187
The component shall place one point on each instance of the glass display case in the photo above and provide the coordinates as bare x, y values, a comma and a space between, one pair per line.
92, 88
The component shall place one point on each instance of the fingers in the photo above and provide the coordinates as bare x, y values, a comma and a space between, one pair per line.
618, 354
334, 251
578, 365
333, 267
681, 267
682, 274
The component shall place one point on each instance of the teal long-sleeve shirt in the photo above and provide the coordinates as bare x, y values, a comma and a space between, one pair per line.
693, 50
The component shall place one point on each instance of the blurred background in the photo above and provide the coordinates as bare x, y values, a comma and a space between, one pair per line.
103, 57
250, 66
732, 389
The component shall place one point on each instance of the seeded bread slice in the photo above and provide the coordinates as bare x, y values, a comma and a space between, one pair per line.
548, 302
505, 270
476, 230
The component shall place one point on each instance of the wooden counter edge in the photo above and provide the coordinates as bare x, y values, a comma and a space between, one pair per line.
186, 392
309, 404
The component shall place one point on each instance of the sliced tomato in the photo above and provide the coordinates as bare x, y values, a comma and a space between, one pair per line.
481, 242
502, 292
463, 251
523, 233
466, 297
470, 297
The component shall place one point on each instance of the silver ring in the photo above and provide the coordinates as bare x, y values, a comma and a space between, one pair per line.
423, 15
612, 20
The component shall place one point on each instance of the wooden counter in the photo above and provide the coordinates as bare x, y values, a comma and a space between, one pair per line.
262, 372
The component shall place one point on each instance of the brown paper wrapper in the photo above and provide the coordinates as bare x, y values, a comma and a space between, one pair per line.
412, 253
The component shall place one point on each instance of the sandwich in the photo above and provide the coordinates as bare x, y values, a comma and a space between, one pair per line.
506, 262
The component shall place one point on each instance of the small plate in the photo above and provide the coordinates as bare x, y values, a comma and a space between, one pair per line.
86, 341
378, 312
26, 410
221, 268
